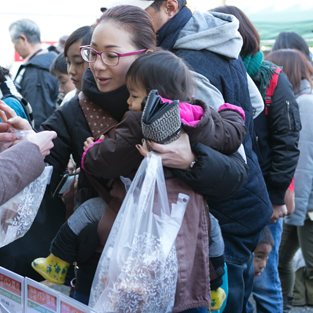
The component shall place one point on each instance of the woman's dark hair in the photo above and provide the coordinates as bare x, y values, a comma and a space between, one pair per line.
291, 40
295, 65
250, 36
267, 237
135, 21
58, 64
82, 34
164, 71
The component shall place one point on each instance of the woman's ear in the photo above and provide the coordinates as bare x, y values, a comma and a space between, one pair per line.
149, 51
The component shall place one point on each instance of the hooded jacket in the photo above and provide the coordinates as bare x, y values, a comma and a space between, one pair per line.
38, 86
304, 171
215, 56
218, 33
215, 32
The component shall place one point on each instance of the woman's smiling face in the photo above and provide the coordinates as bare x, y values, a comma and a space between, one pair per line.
110, 36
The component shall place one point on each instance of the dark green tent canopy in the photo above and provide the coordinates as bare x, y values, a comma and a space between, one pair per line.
269, 22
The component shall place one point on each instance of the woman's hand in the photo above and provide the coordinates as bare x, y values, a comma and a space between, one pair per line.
177, 154
7, 133
43, 140
8, 115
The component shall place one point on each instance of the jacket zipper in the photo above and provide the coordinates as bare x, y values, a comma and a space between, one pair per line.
288, 114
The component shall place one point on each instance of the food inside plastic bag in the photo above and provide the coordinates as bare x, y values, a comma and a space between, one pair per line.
137, 271
18, 214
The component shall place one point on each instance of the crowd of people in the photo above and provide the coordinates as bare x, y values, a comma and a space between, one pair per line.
243, 154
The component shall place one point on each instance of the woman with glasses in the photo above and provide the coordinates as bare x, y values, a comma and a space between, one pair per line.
119, 37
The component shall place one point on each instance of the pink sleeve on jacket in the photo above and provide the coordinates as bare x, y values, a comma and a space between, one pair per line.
227, 106
189, 114
85, 152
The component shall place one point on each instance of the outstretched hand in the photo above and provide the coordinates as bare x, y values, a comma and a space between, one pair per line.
176, 154
43, 140
7, 133
9, 116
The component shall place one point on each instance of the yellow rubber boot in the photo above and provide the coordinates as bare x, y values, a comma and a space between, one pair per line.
218, 296
51, 268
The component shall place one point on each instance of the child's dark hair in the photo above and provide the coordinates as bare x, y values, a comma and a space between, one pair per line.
83, 33
164, 71
58, 64
267, 237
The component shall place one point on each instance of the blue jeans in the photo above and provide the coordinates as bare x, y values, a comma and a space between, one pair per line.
197, 310
267, 290
240, 282
81, 297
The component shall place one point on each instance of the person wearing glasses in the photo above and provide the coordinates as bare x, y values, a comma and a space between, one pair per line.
122, 35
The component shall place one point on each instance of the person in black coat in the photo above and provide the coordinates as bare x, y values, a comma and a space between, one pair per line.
33, 79
275, 141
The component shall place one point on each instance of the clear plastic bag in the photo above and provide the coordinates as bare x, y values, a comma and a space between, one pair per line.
137, 271
20, 134
18, 214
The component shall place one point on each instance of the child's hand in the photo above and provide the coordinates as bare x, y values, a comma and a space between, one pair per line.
89, 141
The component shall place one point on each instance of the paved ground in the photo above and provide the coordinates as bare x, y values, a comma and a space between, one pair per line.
304, 309
61, 288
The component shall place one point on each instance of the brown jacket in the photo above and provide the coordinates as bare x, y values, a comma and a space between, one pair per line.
19, 166
118, 156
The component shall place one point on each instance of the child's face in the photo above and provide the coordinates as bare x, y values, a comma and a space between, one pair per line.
76, 66
136, 96
65, 83
261, 254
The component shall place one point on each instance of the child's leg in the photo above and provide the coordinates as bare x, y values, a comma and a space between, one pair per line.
217, 246
89, 212
64, 244
216, 254
63, 247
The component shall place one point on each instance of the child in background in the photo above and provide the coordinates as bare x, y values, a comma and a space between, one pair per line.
223, 131
58, 68
262, 252
76, 65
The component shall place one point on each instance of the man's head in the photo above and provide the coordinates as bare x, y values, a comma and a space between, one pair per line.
262, 251
25, 34
160, 11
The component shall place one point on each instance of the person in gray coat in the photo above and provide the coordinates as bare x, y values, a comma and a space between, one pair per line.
22, 163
